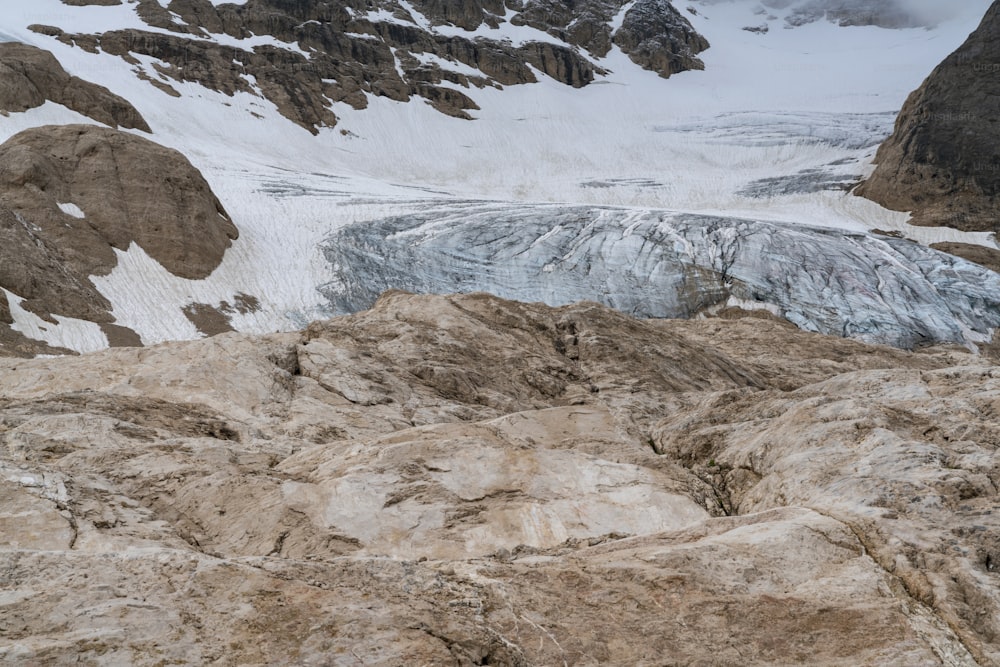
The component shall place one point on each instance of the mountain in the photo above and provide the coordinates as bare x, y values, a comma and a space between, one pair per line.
300, 452
32, 76
314, 53
941, 160
313, 122
464, 480
72, 194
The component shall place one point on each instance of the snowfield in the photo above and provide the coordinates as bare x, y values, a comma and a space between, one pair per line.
775, 131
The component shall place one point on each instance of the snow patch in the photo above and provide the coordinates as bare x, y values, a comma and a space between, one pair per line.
72, 209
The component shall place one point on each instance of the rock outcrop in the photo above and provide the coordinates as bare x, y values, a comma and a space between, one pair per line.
941, 162
893, 14
663, 264
30, 76
464, 480
72, 195
321, 53
658, 37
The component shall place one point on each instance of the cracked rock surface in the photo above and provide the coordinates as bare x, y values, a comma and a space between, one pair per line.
30, 76
467, 480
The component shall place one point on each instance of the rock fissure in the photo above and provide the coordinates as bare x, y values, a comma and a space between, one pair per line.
917, 594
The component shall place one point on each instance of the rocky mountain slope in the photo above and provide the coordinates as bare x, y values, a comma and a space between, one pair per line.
941, 162
71, 195
30, 76
314, 54
464, 480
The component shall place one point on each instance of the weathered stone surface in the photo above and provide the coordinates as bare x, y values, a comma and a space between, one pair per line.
125, 189
941, 162
883, 451
585, 24
29, 76
463, 480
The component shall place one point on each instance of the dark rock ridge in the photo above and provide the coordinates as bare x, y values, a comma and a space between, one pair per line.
347, 50
664, 264
125, 189
657, 37
30, 76
942, 162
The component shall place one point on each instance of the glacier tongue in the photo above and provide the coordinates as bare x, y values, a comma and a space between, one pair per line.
667, 264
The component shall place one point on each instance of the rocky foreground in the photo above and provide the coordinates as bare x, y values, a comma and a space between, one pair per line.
469, 481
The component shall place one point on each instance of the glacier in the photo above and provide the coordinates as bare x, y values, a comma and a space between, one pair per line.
764, 143
648, 263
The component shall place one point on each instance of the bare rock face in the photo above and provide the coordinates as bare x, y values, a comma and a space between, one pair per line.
346, 51
656, 36
71, 195
29, 76
465, 480
941, 162
584, 24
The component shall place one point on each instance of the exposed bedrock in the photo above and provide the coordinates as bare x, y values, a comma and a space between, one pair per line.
465, 480
326, 52
30, 76
71, 195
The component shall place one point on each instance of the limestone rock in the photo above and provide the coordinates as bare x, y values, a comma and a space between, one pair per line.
586, 24
29, 76
464, 480
886, 452
941, 161
71, 195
